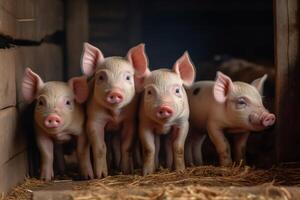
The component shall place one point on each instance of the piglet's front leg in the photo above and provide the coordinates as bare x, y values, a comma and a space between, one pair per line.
197, 148
221, 144
126, 143
179, 134
83, 154
240, 142
148, 145
45, 145
95, 133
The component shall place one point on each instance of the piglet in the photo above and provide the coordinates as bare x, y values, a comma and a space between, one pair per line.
58, 116
164, 109
224, 106
113, 102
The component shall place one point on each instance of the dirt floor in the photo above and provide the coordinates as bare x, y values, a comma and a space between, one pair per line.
205, 182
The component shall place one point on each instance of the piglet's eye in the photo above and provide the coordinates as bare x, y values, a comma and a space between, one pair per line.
241, 103
176, 90
68, 102
40, 103
101, 78
149, 92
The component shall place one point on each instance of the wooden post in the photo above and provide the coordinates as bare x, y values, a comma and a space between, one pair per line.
77, 26
287, 27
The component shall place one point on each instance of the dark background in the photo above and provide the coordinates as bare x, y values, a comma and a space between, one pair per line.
206, 28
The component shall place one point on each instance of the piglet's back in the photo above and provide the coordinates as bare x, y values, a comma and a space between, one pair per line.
201, 100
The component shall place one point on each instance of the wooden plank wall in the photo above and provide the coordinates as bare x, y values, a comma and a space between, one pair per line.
115, 26
288, 82
76, 22
31, 21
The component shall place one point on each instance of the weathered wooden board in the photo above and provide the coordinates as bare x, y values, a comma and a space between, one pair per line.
13, 172
12, 141
49, 17
39, 18
7, 81
9, 6
28, 20
287, 81
8, 24
77, 27
26, 17
31, 19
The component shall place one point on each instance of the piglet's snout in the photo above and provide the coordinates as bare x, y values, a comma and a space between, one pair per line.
164, 112
114, 97
268, 119
53, 121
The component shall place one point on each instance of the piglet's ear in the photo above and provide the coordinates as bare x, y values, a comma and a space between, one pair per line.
223, 85
259, 83
90, 57
80, 88
31, 84
185, 69
138, 58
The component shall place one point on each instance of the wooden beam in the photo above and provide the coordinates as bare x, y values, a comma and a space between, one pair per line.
77, 26
287, 26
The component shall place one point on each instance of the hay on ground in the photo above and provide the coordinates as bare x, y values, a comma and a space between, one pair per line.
204, 182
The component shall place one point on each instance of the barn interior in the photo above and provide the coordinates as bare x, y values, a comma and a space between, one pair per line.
245, 40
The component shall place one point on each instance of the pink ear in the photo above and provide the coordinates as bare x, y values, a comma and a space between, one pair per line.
137, 57
31, 84
259, 83
222, 86
90, 57
80, 88
185, 68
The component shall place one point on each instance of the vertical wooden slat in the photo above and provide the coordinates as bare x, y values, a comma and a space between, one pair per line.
287, 81
12, 141
7, 81
13, 172
76, 33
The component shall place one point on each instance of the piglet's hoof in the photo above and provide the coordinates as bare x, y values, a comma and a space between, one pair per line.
147, 171
101, 173
87, 174
47, 174
226, 162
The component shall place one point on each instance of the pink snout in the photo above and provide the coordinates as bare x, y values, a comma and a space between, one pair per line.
114, 97
268, 120
53, 121
164, 112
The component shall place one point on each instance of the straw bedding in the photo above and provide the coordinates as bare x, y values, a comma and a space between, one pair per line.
204, 182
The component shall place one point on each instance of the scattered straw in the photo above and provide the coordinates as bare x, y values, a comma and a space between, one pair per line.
204, 183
